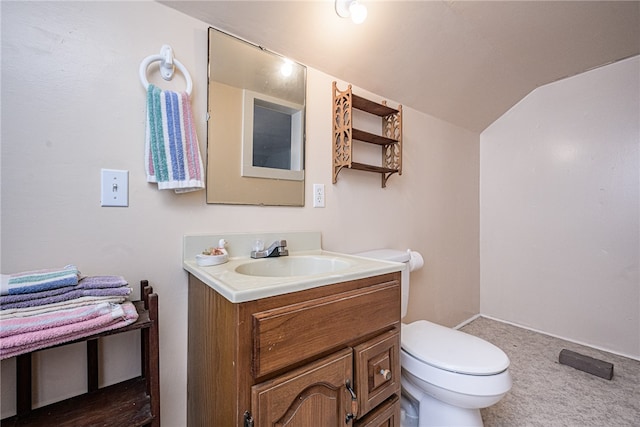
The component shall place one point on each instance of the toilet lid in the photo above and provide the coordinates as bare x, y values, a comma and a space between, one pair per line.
452, 350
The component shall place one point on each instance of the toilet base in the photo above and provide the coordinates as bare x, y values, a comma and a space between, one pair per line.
434, 413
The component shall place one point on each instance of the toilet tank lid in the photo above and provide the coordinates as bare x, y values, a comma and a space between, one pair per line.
452, 350
387, 255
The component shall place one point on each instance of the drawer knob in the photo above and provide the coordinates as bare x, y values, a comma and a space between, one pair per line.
386, 374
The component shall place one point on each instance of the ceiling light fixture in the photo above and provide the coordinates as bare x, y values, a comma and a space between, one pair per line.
353, 9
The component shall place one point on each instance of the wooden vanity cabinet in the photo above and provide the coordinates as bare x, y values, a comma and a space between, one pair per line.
328, 356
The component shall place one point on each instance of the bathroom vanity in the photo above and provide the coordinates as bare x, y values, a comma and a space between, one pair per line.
326, 354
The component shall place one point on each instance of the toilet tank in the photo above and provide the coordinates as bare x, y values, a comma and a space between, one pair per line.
397, 256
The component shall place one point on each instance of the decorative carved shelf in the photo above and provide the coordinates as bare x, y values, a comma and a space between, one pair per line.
344, 134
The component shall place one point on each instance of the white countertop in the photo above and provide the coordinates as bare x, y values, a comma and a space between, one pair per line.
237, 287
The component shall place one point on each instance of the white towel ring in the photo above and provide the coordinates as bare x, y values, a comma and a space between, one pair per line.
167, 62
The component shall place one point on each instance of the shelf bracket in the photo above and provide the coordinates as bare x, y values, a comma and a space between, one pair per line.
385, 177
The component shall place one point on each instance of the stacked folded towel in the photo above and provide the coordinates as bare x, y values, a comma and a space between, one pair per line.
39, 280
42, 308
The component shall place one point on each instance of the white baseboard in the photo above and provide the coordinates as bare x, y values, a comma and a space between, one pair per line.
469, 320
548, 334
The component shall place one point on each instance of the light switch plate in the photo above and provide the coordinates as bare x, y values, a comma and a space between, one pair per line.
114, 187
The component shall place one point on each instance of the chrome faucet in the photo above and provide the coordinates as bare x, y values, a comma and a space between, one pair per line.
277, 248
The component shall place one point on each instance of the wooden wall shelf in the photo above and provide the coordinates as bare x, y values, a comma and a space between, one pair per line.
344, 134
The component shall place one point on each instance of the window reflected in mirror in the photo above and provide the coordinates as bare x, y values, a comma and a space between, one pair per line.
272, 138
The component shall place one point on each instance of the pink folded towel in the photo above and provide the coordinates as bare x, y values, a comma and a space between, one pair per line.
21, 325
117, 317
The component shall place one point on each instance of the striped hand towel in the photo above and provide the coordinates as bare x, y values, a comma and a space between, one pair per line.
172, 154
39, 280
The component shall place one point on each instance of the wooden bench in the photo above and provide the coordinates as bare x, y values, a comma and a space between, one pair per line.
134, 402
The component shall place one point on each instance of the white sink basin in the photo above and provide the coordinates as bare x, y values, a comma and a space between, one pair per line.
287, 266
242, 279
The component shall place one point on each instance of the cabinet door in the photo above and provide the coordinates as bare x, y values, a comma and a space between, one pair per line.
314, 395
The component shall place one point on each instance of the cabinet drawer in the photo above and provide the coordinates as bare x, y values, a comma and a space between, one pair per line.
377, 370
385, 415
287, 335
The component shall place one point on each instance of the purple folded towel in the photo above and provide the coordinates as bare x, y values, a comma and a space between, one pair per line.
73, 294
91, 282
9, 299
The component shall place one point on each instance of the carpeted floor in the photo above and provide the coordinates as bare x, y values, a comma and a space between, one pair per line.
548, 394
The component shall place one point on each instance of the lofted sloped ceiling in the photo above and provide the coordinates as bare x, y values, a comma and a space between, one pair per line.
465, 62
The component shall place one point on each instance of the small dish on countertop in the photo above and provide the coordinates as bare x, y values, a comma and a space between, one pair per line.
208, 260
213, 256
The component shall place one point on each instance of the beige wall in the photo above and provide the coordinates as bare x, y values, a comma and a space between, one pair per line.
560, 210
72, 104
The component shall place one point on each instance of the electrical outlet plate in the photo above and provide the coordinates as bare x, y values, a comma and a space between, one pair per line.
114, 187
318, 195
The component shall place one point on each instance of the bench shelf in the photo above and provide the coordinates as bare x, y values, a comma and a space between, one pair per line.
134, 402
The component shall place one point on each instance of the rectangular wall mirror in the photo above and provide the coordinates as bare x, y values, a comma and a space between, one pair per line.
256, 126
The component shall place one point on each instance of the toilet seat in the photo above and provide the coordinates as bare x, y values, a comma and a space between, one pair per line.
452, 350
428, 377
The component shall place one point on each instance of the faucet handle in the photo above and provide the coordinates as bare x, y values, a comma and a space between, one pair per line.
282, 248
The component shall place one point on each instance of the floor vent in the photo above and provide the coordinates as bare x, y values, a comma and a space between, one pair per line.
587, 364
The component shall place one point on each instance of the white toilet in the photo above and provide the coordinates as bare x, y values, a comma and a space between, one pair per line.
447, 375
